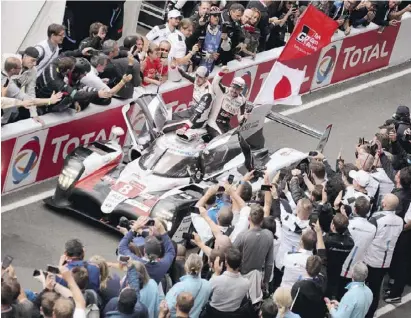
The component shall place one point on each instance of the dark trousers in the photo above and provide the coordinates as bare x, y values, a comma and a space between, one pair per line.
400, 264
374, 282
276, 282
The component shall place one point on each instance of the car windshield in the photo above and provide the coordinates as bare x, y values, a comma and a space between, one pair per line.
166, 163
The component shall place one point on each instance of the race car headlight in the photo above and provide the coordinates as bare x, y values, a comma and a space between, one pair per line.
71, 172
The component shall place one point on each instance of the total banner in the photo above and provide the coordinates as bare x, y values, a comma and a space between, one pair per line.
36, 154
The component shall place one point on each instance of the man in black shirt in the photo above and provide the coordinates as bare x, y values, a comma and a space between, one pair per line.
338, 243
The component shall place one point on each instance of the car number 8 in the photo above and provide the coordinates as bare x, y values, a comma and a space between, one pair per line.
125, 189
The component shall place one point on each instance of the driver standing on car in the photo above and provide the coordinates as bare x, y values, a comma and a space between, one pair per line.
229, 102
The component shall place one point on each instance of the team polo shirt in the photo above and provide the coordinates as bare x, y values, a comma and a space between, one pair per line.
295, 267
362, 232
291, 229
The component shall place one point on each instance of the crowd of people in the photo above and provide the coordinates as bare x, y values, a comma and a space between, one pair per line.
315, 241
43, 78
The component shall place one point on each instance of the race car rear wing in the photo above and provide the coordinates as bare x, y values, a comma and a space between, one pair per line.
300, 127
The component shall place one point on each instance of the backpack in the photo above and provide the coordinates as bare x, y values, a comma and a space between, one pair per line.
92, 301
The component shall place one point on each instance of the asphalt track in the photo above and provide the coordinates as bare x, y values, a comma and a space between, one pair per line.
35, 236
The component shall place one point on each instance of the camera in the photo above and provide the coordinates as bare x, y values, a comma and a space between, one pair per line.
124, 222
206, 17
259, 172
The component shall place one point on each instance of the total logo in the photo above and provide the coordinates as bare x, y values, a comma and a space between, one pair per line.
26, 160
326, 64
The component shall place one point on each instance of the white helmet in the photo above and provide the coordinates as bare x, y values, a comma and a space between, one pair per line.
238, 82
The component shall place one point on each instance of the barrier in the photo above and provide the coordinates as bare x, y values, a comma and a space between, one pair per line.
31, 153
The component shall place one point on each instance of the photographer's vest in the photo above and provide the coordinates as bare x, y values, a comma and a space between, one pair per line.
46, 55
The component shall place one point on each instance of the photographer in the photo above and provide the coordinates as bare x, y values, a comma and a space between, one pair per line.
207, 35
203, 11
156, 267
231, 32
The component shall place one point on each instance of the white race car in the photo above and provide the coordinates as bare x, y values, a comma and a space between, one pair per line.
167, 173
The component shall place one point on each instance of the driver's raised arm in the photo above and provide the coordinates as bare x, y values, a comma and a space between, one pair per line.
218, 88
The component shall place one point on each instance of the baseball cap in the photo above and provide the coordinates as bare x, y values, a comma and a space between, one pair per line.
152, 246
361, 177
174, 14
238, 82
32, 52
202, 71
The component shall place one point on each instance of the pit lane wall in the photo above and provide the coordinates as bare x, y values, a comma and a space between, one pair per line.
31, 153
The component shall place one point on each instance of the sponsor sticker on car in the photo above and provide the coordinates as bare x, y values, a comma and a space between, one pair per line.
130, 189
113, 199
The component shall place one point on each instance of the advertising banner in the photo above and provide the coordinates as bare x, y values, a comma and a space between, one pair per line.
32, 155
312, 32
364, 53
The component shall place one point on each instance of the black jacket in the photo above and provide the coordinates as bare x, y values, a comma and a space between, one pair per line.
233, 31
338, 248
310, 299
114, 73
404, 196
52, 80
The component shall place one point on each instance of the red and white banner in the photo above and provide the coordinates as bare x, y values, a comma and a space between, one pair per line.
37, 153
312, 32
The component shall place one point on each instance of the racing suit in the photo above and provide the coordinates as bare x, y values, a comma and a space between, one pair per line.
194, 117
225, 107
52, 80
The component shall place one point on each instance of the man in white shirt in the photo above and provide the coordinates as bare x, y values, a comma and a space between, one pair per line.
379, 254
161, 33
292, 227
362, 232
295, 262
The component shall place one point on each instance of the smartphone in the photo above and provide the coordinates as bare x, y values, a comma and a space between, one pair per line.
265, 187
36, 272
313, 220
7, 260
195, 209
188, 236
53, 269
123, 259
150, 222
221, 189
230, 179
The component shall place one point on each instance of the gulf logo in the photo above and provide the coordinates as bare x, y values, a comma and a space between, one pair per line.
326, 64
26, 159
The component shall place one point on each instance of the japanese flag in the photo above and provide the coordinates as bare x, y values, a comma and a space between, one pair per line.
282, 86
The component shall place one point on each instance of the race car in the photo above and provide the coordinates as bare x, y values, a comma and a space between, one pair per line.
167, 173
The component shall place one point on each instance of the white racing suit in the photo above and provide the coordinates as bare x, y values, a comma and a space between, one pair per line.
224, 108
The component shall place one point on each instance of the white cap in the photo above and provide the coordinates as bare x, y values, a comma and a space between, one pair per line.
174, 14
361, 177
238, 81
202, 71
